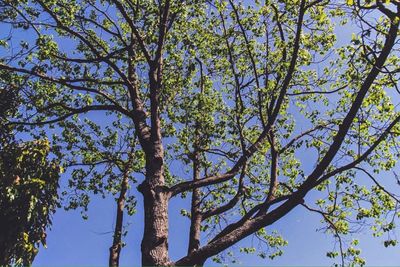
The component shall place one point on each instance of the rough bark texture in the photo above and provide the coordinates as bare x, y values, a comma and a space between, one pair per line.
155, 237
156, 197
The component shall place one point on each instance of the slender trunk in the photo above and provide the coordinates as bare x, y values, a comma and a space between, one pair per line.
196, 216
155, 237
115, 249
195, 224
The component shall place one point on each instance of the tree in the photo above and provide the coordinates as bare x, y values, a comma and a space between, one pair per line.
223, 102
28, 190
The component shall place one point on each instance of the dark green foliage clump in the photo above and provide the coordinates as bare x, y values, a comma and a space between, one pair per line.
28, 190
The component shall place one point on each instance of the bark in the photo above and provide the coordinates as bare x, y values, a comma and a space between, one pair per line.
155, 237
155, 194
247, 227
196, 215
195, 220
115, 249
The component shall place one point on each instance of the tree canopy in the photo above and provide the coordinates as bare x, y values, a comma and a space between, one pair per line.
28, 189
241, 108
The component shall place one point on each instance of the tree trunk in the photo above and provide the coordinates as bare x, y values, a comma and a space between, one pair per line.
196, 216
115, 249
195, 223
155, 238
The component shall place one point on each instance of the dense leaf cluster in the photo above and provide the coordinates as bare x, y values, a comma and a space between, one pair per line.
28, 190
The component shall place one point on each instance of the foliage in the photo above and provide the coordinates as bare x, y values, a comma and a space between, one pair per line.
28, 191
246, 106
